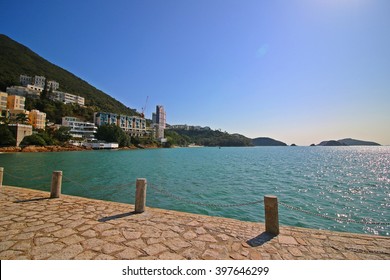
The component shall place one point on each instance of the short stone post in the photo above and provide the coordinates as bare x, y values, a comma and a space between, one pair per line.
56, 182
140, 195
1, 176
271, 214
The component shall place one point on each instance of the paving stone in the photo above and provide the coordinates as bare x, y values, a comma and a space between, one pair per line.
64, 232
129, 254
151, 241
287, 240
68, 253
138, 244
69, 228
114, 238
38, 241
110, 248
5, 245
92, 243
46, 249
86, 255
131, 235
170, 256
189, 235
104, 257
155, 249
176, 244
72, 239
22, 245
191, 254
89, 233
206, 238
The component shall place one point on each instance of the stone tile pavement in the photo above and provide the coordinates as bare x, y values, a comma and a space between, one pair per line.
32, 226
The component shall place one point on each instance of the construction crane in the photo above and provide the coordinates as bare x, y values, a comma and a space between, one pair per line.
144, 108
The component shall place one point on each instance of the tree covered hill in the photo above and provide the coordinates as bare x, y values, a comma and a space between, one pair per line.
16, 59
181, 137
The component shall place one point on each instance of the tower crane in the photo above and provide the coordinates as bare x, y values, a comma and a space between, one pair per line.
143, 108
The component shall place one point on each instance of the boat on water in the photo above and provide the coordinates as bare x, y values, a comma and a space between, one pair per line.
101, 145
194, 146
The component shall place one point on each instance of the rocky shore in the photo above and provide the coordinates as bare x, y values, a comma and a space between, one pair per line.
35, 149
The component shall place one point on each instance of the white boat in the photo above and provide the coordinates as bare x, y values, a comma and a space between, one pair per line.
101, 145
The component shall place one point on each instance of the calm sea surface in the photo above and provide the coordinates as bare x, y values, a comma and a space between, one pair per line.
335, 188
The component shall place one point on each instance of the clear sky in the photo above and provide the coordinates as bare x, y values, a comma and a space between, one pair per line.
300, 71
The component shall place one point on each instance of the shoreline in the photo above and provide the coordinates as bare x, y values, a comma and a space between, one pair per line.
57, 148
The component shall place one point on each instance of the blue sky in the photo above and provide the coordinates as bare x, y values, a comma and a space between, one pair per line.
300, 71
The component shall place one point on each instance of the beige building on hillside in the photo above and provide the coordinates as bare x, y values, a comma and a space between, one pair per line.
15, 102
37, 119
3, 104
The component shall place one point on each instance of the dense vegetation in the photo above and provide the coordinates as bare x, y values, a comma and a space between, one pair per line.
40, 138
16, 59
266, 141
180, 137
56, 110
6, 136
113, 133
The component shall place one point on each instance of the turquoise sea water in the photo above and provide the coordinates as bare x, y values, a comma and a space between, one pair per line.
315, 185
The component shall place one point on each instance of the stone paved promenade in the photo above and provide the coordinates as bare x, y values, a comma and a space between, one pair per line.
35, 227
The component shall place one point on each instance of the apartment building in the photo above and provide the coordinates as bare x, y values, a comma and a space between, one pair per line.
67, 98
25, 80
15, 102
38, 81
53, 85
80, 129
133, 125
3, 104
37, 119
30, 91
3, 100
159, 121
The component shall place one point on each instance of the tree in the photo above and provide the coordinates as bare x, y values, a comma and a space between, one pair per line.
6, 136
34, 139
22, 118
63, 134
113, 133
45, 91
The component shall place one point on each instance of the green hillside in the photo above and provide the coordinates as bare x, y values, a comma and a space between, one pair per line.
16, 59
211, 138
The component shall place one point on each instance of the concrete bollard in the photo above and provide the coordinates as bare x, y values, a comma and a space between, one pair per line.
271, 214
140, 195
56, 182
1, 176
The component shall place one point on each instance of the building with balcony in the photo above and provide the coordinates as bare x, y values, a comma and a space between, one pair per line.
3, 100
38, 81
80, 129
37, 119
133, 125
3, 104
15, 102
30, 91
67, 98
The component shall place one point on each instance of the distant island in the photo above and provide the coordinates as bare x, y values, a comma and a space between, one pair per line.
266, 141
348, 142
